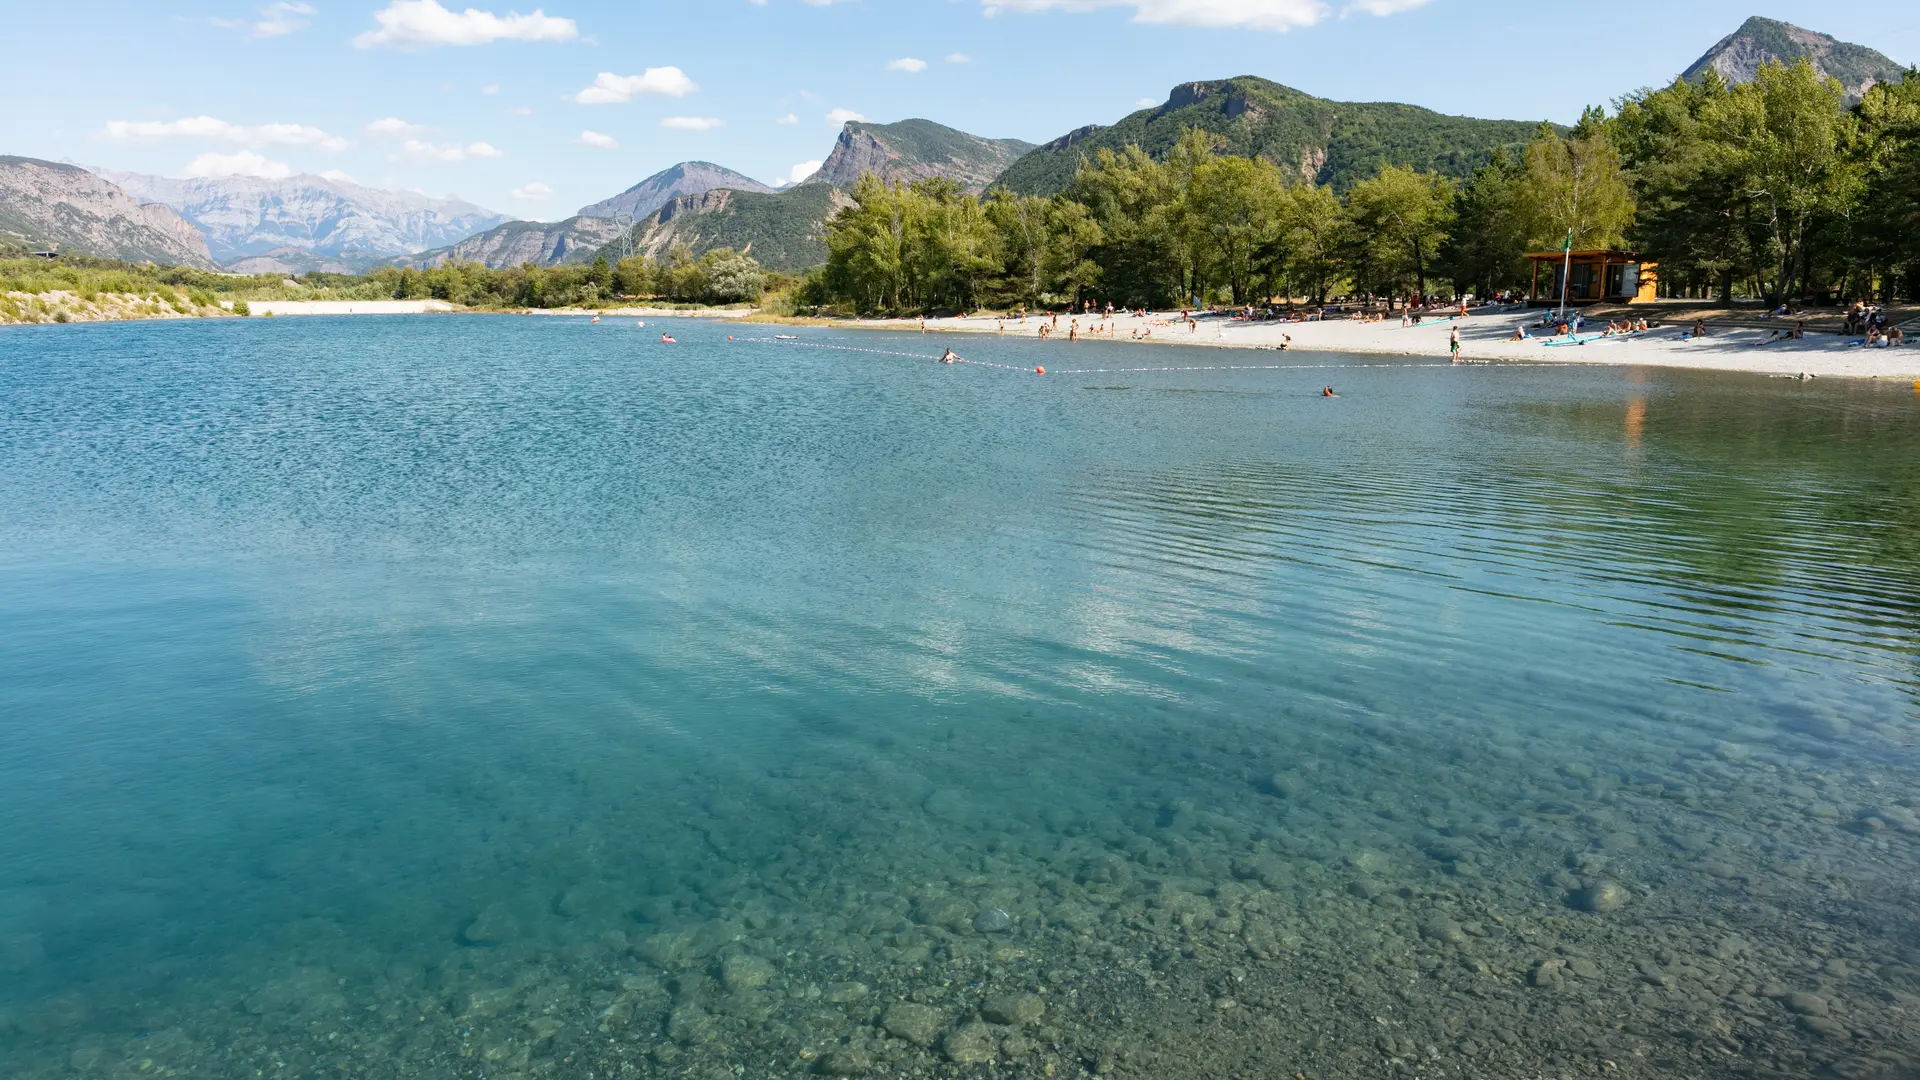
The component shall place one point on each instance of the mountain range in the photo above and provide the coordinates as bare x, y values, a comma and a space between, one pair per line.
1325, 142
51, 204
1740, 54
310, 222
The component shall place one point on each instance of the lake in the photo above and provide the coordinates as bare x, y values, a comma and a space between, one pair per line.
482, 696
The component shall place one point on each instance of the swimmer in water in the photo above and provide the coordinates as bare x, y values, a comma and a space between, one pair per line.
666, 340
1328, 392
949, 357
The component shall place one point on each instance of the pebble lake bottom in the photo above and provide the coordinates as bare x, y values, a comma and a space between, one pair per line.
512, 698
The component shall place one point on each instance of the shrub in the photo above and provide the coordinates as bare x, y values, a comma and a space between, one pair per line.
241, 309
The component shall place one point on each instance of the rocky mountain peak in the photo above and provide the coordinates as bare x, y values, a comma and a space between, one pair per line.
1738, 55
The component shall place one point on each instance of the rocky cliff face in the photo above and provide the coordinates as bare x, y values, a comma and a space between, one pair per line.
246, 216
45, 202
541, 243
686, 178
916, 150
1740, 54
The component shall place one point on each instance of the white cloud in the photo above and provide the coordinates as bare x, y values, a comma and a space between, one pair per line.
1147, 102
611, 89
282, 18
417, 24
533, 192
212, 129
598, 141
959, 58
392, 127
1279, 15
416, 151
790, 118
1383, 7
841, 116
243, 163
338, 177
520, 110
908, 64
490, 89
692, 123
802, 171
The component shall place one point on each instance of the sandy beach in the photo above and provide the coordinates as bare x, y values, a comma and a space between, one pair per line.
279, 308
1484, 338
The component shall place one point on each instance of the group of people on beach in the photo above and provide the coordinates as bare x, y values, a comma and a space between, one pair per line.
1872, 324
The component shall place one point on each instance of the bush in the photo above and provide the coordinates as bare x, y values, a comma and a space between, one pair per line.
241, 309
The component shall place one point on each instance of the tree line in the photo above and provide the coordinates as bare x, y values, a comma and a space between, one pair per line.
720, 276
1776, 188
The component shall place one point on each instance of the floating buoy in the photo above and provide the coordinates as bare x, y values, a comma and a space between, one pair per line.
1039, 371
729, 337
596, 318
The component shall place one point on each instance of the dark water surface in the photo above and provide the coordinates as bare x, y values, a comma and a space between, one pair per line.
511, 698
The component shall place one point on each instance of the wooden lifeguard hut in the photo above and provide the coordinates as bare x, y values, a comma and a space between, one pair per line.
1605, 275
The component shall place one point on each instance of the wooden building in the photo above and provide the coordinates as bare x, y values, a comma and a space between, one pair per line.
1607, 276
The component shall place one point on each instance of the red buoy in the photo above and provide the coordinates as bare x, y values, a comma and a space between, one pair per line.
1039, 371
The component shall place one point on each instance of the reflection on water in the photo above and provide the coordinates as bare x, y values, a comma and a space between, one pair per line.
513, 698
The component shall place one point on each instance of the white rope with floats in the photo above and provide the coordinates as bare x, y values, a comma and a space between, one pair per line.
1114, 371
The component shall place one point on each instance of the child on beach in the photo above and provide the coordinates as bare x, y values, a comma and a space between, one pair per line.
1453, 344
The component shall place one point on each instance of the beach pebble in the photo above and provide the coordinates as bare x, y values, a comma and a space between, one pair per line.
918, 1024
1014, 1010
993, 921
1445, 931
970, 1044
1547, 972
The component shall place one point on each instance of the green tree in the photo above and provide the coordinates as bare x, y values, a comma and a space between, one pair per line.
1575, 187
1484, 253
1398, 221
1784, 139
731, 276
1688, 216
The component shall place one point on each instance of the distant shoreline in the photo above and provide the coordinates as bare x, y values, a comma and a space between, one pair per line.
1484, 339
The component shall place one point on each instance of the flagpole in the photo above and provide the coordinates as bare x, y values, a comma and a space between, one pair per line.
1566, 274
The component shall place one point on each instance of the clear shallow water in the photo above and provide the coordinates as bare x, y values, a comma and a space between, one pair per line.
516, 697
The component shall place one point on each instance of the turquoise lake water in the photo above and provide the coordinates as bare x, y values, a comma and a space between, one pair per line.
510, 697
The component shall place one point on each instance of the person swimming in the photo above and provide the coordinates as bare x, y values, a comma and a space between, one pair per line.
949, 356
667, 340
1327, 391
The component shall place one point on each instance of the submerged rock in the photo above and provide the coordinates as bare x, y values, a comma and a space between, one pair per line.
492, 926
1014, 1010
1601, 897
745, 972
993, 921
846, 1061
918, 1024
970, 1044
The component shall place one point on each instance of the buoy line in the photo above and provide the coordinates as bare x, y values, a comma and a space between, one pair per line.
1135, 370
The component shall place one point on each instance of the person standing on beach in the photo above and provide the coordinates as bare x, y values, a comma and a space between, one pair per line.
1453, 344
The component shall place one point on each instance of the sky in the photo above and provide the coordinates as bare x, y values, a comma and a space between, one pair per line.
537, 111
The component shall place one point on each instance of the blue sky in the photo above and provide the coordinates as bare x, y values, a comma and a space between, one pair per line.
535, 112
